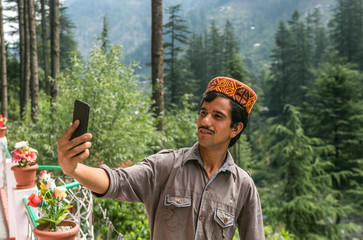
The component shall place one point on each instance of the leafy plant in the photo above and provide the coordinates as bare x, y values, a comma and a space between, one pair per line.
50, 201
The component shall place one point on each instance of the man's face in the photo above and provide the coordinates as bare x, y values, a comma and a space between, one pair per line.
214, 124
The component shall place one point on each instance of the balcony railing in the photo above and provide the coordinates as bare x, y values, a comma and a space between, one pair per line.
21, 215
18, 215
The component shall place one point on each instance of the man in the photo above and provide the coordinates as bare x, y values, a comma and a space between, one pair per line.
191, 193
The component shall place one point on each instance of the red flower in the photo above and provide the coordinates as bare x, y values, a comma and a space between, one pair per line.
34, 200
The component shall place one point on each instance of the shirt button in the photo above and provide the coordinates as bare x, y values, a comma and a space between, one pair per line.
201, 217
226, 220
178, 201
207, 188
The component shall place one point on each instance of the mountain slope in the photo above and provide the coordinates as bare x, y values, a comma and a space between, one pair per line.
254, 21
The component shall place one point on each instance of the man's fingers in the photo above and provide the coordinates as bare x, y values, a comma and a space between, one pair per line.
68, 133
79, 150
81, 157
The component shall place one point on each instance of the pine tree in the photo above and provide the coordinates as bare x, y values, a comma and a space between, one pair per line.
335, 115
215, 51
104, 36
229, 41
300, 64
307, 197
347, 30
67, 44
290, 67
318, 37
176, 35
277, 84
197, 58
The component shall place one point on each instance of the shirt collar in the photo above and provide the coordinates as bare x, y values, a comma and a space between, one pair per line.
193, 154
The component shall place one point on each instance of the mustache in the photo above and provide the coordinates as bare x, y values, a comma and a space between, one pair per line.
206, 128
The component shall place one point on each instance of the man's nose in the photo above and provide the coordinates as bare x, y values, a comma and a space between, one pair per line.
206, 121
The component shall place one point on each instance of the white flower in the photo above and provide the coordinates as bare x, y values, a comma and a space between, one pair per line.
21, 144
33, 150
51, 184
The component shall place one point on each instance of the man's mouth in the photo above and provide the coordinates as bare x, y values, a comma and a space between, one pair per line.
205, 130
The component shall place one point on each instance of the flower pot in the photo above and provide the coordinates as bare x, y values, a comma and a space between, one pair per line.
2, 131
43, 233
25, 176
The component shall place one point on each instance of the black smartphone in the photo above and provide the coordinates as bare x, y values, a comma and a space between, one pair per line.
81, 113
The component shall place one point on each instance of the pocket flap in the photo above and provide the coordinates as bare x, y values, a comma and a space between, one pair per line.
177, 201
223, 218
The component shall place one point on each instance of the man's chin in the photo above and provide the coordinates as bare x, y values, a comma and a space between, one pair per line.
203, 142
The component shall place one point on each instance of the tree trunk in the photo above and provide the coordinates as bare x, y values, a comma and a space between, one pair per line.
55, 48
23, 53
157, 62
4, 89
45, 47
33, 62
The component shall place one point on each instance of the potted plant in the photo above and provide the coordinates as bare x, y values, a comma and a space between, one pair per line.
53, 209
25, 170
2, 126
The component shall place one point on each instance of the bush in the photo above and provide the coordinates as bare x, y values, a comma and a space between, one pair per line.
120, 118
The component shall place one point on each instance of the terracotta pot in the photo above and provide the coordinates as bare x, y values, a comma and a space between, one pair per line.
39, 231
25, 176
2, 131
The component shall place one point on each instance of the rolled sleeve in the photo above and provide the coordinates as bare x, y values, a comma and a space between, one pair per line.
137, 183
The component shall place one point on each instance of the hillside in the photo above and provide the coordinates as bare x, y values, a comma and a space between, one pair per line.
254, 22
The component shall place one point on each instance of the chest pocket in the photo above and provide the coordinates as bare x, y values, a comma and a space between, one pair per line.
176, 211
223, 218
224, 224
177, 201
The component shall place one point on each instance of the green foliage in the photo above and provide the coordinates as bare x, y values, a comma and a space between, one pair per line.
335, 116
283, 235
309, 200
68, 45
55, 210
180, 125
128, 218
241, 153
178, 80
290, 67
120, 120
347, 30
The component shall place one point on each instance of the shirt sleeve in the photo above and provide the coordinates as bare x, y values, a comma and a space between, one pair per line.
139, 182
250, 223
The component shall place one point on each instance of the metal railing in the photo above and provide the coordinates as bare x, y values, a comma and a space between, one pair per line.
78, 196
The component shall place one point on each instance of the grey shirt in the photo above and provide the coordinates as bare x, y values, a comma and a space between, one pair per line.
183, 203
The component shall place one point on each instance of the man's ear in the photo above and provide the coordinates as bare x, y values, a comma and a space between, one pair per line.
236, 129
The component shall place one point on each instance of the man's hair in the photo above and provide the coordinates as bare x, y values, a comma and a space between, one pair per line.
239, 114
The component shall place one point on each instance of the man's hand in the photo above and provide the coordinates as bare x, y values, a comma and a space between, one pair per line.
68, 150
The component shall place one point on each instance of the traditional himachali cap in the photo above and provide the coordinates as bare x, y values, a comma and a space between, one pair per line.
234, 89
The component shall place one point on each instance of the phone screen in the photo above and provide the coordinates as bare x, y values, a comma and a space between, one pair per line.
81, 113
